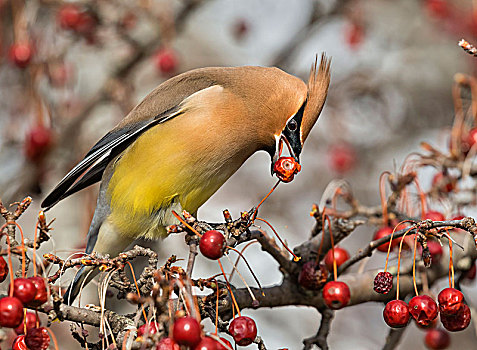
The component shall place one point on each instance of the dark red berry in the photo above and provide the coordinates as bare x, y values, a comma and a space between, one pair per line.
450, 301
243, 329
437, 339
396, 314
24, 290
311, 276
444, 183
354, 35
29, 322
437, 8
41, 295
336, 294
240, 29
3, 269
19, 343
148, 328
341, 255
423, 309
37, 143
458, 322
11, 312
38, 339
286, 168
20, 54
383, 232
186, 331
212, 244
167, 344
342, 158
471, 139
383, 282
435, 249
434, 216
69, 16
166, 60
227, 346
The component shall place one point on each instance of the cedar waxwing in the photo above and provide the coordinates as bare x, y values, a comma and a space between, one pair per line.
181, 143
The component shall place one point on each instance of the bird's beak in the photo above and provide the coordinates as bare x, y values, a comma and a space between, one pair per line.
294, 148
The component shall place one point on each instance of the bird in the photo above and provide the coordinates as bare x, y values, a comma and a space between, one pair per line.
181, 143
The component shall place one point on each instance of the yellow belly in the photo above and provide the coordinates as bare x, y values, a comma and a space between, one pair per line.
164, 170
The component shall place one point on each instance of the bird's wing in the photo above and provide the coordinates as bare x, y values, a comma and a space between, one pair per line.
91, 168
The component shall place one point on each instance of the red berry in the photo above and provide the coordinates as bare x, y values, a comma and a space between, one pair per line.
186, 331
212, 244
437, 339
342, 158
450, 301
354, 35
396, 314
458, 322
312, 277
243, 329
423, 309
435, 249
286, 168
69, 16
19, 343
227, 346
471, 139
86, 26
148, 328
383, 282
443, 182
240, 29
24, 290
433, 215
437, 8
38, 339
29, 322
41, 295
166, 60
20, 54
167, 344
336, 294
341, 255
383, 232
207, 343
3, 269
11, 312
37, 143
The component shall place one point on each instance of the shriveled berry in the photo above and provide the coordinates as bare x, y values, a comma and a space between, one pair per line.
383, 282
423, 309
186, 331
41, 295
167, 344
396, 314
38, 339
341, 255
11, 312
450, 301
336, 294
19, 343
243, 329
437, 339
212, 244
458, 322
286, 168
3, 269
311, 276
29, 322
24, 290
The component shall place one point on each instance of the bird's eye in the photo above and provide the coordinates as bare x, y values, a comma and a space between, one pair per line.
292, 125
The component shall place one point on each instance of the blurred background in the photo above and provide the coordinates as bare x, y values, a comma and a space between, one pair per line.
71, 70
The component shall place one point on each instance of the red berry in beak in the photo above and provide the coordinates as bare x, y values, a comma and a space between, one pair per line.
286, 168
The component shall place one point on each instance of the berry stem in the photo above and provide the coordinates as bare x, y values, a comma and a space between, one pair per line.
137, 289
451, 266
248, 265
335, 272
185, 223
240, 255
241, 277
399, 262
228, 287
10, 264
23, 249
34, 248
382, 194
295, 258
217, 308
53, 337
414, 266
263, 200
320, 248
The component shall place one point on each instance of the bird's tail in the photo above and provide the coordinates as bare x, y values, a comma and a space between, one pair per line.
82, 278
